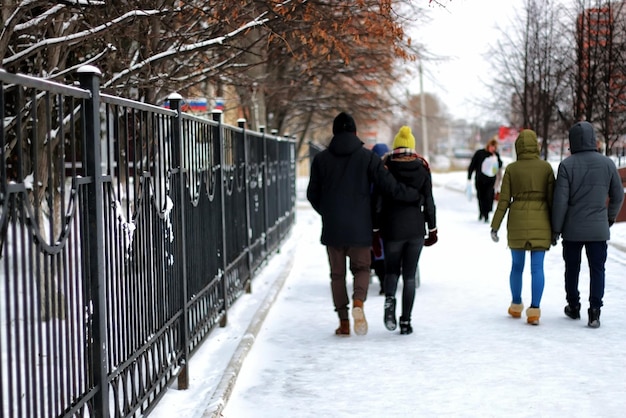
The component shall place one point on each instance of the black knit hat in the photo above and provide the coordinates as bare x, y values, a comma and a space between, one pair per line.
343, 123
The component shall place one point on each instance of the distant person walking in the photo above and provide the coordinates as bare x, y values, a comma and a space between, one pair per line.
403, 227
340, 191
585, 182
526, 193
486, 163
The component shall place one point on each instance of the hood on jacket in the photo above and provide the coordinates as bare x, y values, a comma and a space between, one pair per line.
344, 143
582, 137
526, 144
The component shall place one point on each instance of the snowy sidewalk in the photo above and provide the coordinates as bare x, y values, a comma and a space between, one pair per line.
465, 358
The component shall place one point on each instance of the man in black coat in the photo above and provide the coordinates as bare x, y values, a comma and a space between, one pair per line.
340, 190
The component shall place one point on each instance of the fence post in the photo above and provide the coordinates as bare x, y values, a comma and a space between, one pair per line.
280, 184
217, 117
266, 208
176, 100
242, 125
89, 77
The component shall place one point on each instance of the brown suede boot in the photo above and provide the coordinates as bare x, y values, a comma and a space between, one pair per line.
360, 323
515, 310
533, 315
344, 327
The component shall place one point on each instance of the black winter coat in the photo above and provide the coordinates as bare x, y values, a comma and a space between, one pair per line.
400, 220
340, 190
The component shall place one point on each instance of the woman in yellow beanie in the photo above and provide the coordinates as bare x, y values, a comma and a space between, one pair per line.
402, 227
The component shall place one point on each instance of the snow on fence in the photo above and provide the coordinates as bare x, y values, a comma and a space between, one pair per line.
127, 231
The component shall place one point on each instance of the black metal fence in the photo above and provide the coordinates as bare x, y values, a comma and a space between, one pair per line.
127, 231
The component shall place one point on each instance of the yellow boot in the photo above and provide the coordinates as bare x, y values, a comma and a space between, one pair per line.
515, 310
532, 315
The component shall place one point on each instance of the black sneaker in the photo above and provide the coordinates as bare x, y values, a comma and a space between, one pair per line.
405, 327
390, 313
573, 311
594, 318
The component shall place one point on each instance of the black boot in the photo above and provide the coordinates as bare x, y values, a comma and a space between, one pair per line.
405, 326
390, 313
573, 311
594, 318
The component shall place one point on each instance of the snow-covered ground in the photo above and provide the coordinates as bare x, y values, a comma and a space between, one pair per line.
278, 356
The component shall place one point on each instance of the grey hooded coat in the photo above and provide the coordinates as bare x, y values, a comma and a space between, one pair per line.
585, 180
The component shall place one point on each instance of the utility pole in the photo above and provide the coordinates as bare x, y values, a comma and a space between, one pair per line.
423, 112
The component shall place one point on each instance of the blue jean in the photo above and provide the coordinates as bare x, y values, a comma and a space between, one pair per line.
536, 272
596, 258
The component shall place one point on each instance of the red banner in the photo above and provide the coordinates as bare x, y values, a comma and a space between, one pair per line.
507, 134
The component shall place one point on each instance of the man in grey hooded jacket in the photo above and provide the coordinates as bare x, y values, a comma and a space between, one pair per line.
581, 215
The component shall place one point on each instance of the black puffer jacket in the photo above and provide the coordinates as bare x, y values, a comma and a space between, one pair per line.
584, 181
340, 190
400, 220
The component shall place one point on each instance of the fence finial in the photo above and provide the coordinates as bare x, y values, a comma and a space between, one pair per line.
89, 69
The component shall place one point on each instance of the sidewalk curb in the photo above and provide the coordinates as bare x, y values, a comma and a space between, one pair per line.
227, 383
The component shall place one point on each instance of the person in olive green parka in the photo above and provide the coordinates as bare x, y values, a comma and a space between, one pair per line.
526, 193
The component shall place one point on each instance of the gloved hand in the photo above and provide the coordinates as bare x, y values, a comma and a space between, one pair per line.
432, 238
469, 190
377, 245
611, 222
494, 235
555, 238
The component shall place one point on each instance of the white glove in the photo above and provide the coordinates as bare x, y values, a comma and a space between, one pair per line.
469, 192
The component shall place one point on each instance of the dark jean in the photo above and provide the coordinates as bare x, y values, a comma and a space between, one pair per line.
360, 260
484, 195
401, 257
596, 258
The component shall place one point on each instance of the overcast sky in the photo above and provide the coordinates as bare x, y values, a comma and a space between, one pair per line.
463, 31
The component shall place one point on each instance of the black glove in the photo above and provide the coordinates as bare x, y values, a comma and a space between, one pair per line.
555, 238
611, 222
432, 238
494, 235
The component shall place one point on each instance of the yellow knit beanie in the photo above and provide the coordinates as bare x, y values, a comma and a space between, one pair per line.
404, 138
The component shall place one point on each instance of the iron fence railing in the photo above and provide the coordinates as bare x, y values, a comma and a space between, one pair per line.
127, 231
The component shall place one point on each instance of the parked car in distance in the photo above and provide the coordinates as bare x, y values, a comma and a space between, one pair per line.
440, 163
461, 158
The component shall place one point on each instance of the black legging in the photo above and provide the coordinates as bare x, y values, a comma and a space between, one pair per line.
402, 256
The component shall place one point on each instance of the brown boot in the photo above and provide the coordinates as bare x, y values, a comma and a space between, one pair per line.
515, 310
360, 323
344, 327
533, 315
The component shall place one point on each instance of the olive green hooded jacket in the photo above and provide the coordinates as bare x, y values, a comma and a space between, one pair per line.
526, 193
